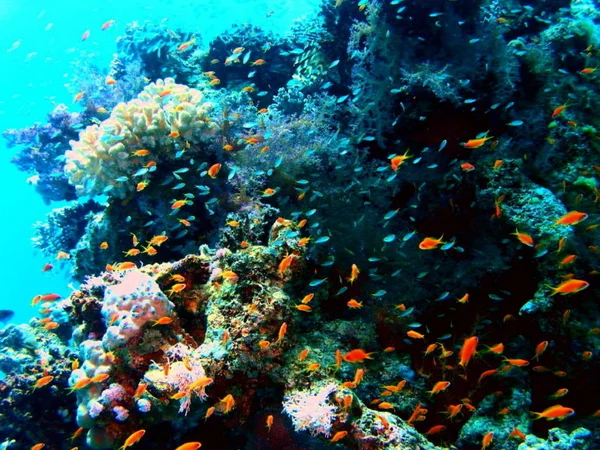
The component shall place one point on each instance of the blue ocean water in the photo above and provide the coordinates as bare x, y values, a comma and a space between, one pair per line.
39, 44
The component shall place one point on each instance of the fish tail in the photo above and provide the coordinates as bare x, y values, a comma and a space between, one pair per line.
554, 290
536, 414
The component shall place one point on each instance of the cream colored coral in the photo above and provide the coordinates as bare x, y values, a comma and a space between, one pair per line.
103, 152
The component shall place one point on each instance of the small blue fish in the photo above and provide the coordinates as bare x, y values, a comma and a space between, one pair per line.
389, 238
322, 240
342, 99
342, 290
310, 212
179, 186
141, 172
122, 179
315, 283
390, 214
515, 123
442, 145
333, 64
379, 293
182, 170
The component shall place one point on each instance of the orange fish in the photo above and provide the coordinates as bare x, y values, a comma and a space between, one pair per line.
303, 354
435, 430
463, 299
554, 412
213, 171
571, 286
110, 81
517, 434
41, 382
85, 35
285, 264
307, 298
269, 192
524, 238
439, 387
104, 245
558, 110
106, 25
174, 134
415, 335
282, 332
357, 356
51, 326
466, 167
339, 436
141, 186
468, 349
269, 422
571, 218
99, 378
397, 161
497, 349
539, 349
133, 439
140, 390
186, 45
588, 70
38, 446
189, 446
163, 321
487, 440
179, 203
559, 393
209, 412
567, 260
200, 383
258, 62
47, 267
430, 243
304, 308
80, 384
587, 355
354, 304
486, 374
353, 274
517, 362
215, 82
476, 143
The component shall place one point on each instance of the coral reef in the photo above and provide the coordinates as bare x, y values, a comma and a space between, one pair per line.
378, 231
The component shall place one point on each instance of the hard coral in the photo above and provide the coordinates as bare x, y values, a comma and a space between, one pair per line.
162, 116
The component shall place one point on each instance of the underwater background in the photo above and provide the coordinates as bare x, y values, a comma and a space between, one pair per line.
363, 224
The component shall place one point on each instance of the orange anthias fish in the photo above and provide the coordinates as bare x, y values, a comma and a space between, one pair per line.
358, 355
435, 430
478, 142
487, 440
430, 243
285, 264
186, 45
468, 349
133, 439
397, 161
571, 286
539, 349
339, 436
41, 382
558, 110
106, 25
439, 387
559, 393
353, 274
554, 412
269, 422
189, 446
415, 335
524, 238
571, 218
214, 170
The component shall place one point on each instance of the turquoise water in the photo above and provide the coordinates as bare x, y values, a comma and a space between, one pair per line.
39, 44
